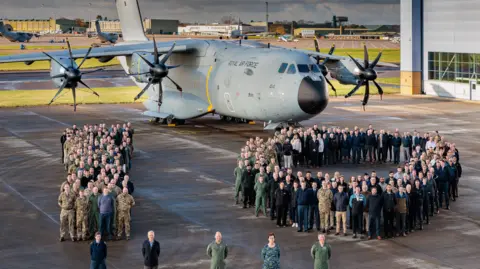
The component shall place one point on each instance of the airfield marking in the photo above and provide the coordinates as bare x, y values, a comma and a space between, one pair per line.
47, 118
28, 200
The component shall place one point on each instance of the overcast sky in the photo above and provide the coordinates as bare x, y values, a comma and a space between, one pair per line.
358, 11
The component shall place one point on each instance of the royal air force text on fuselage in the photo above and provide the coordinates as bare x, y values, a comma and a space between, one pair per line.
243, 64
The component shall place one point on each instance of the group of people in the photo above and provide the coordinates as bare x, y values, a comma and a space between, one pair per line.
316, 147
97, 193
405, 200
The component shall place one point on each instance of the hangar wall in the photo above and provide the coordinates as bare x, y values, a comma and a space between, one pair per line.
451, 48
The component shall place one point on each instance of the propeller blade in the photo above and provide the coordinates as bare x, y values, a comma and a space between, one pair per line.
85, 58
365, 56
356, 63
331, 85
155, 51
380, 90
149, 63
53, 59
59, 91
93, 71
173, 66
70, 53
164, 60
94, 92
359, 84
317, 49
58, 76
375, 62
160, 95
74, 93
178, 86
332, 49
143, 91
367, 95
330, 52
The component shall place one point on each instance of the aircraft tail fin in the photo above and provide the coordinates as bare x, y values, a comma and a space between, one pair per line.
97, 26
131, 20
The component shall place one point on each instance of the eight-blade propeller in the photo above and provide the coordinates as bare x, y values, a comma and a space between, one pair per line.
366, 74
158, 71
322, 66
72, 76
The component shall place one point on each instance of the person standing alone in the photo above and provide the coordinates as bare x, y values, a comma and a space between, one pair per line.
150, 251
218, 252
98, 253
321, 253
271, 254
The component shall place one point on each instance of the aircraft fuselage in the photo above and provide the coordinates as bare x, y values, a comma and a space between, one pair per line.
238, 81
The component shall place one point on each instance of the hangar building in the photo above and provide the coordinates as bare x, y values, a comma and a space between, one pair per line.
440, 51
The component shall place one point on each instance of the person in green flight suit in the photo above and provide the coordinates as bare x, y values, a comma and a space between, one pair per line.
218, 252
238, 172
321, 253
261, 195
94, 213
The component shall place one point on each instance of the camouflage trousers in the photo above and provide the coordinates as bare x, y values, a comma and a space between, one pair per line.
123, 220
67, 221
82, 226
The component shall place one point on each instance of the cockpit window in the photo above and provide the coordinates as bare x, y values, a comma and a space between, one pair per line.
282, 68
291, 69
303, 68
314, 68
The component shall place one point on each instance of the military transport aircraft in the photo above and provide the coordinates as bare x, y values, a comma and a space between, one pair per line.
190, 78
105, 37
15, 36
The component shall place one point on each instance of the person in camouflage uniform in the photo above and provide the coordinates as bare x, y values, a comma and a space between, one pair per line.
124, 204
66, 201
81, 206
325, 198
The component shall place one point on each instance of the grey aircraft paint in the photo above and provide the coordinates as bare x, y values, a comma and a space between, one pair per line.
15, 36
241, 79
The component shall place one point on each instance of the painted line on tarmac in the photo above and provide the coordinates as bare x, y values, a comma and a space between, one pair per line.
47, 118
29, 201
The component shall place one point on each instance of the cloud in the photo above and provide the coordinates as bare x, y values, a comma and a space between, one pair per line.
358, 11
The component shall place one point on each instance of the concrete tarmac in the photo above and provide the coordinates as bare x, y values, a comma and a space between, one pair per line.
183, 180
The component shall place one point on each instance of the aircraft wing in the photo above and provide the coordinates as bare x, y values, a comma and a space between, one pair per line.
121, 50
339, 58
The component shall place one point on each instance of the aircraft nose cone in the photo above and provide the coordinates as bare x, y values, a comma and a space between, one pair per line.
312, 96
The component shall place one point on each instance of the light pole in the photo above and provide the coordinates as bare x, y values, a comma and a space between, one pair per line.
89, 18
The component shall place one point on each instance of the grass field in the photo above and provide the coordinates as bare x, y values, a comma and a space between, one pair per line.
388, 56
20, 98
392, 80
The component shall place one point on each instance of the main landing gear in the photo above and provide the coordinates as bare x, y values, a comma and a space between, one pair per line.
168, 121
233, 119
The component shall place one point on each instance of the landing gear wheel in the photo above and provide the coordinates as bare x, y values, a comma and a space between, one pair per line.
180, 122
222, 117
237, 120
157, 120
171, 120
228, 118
